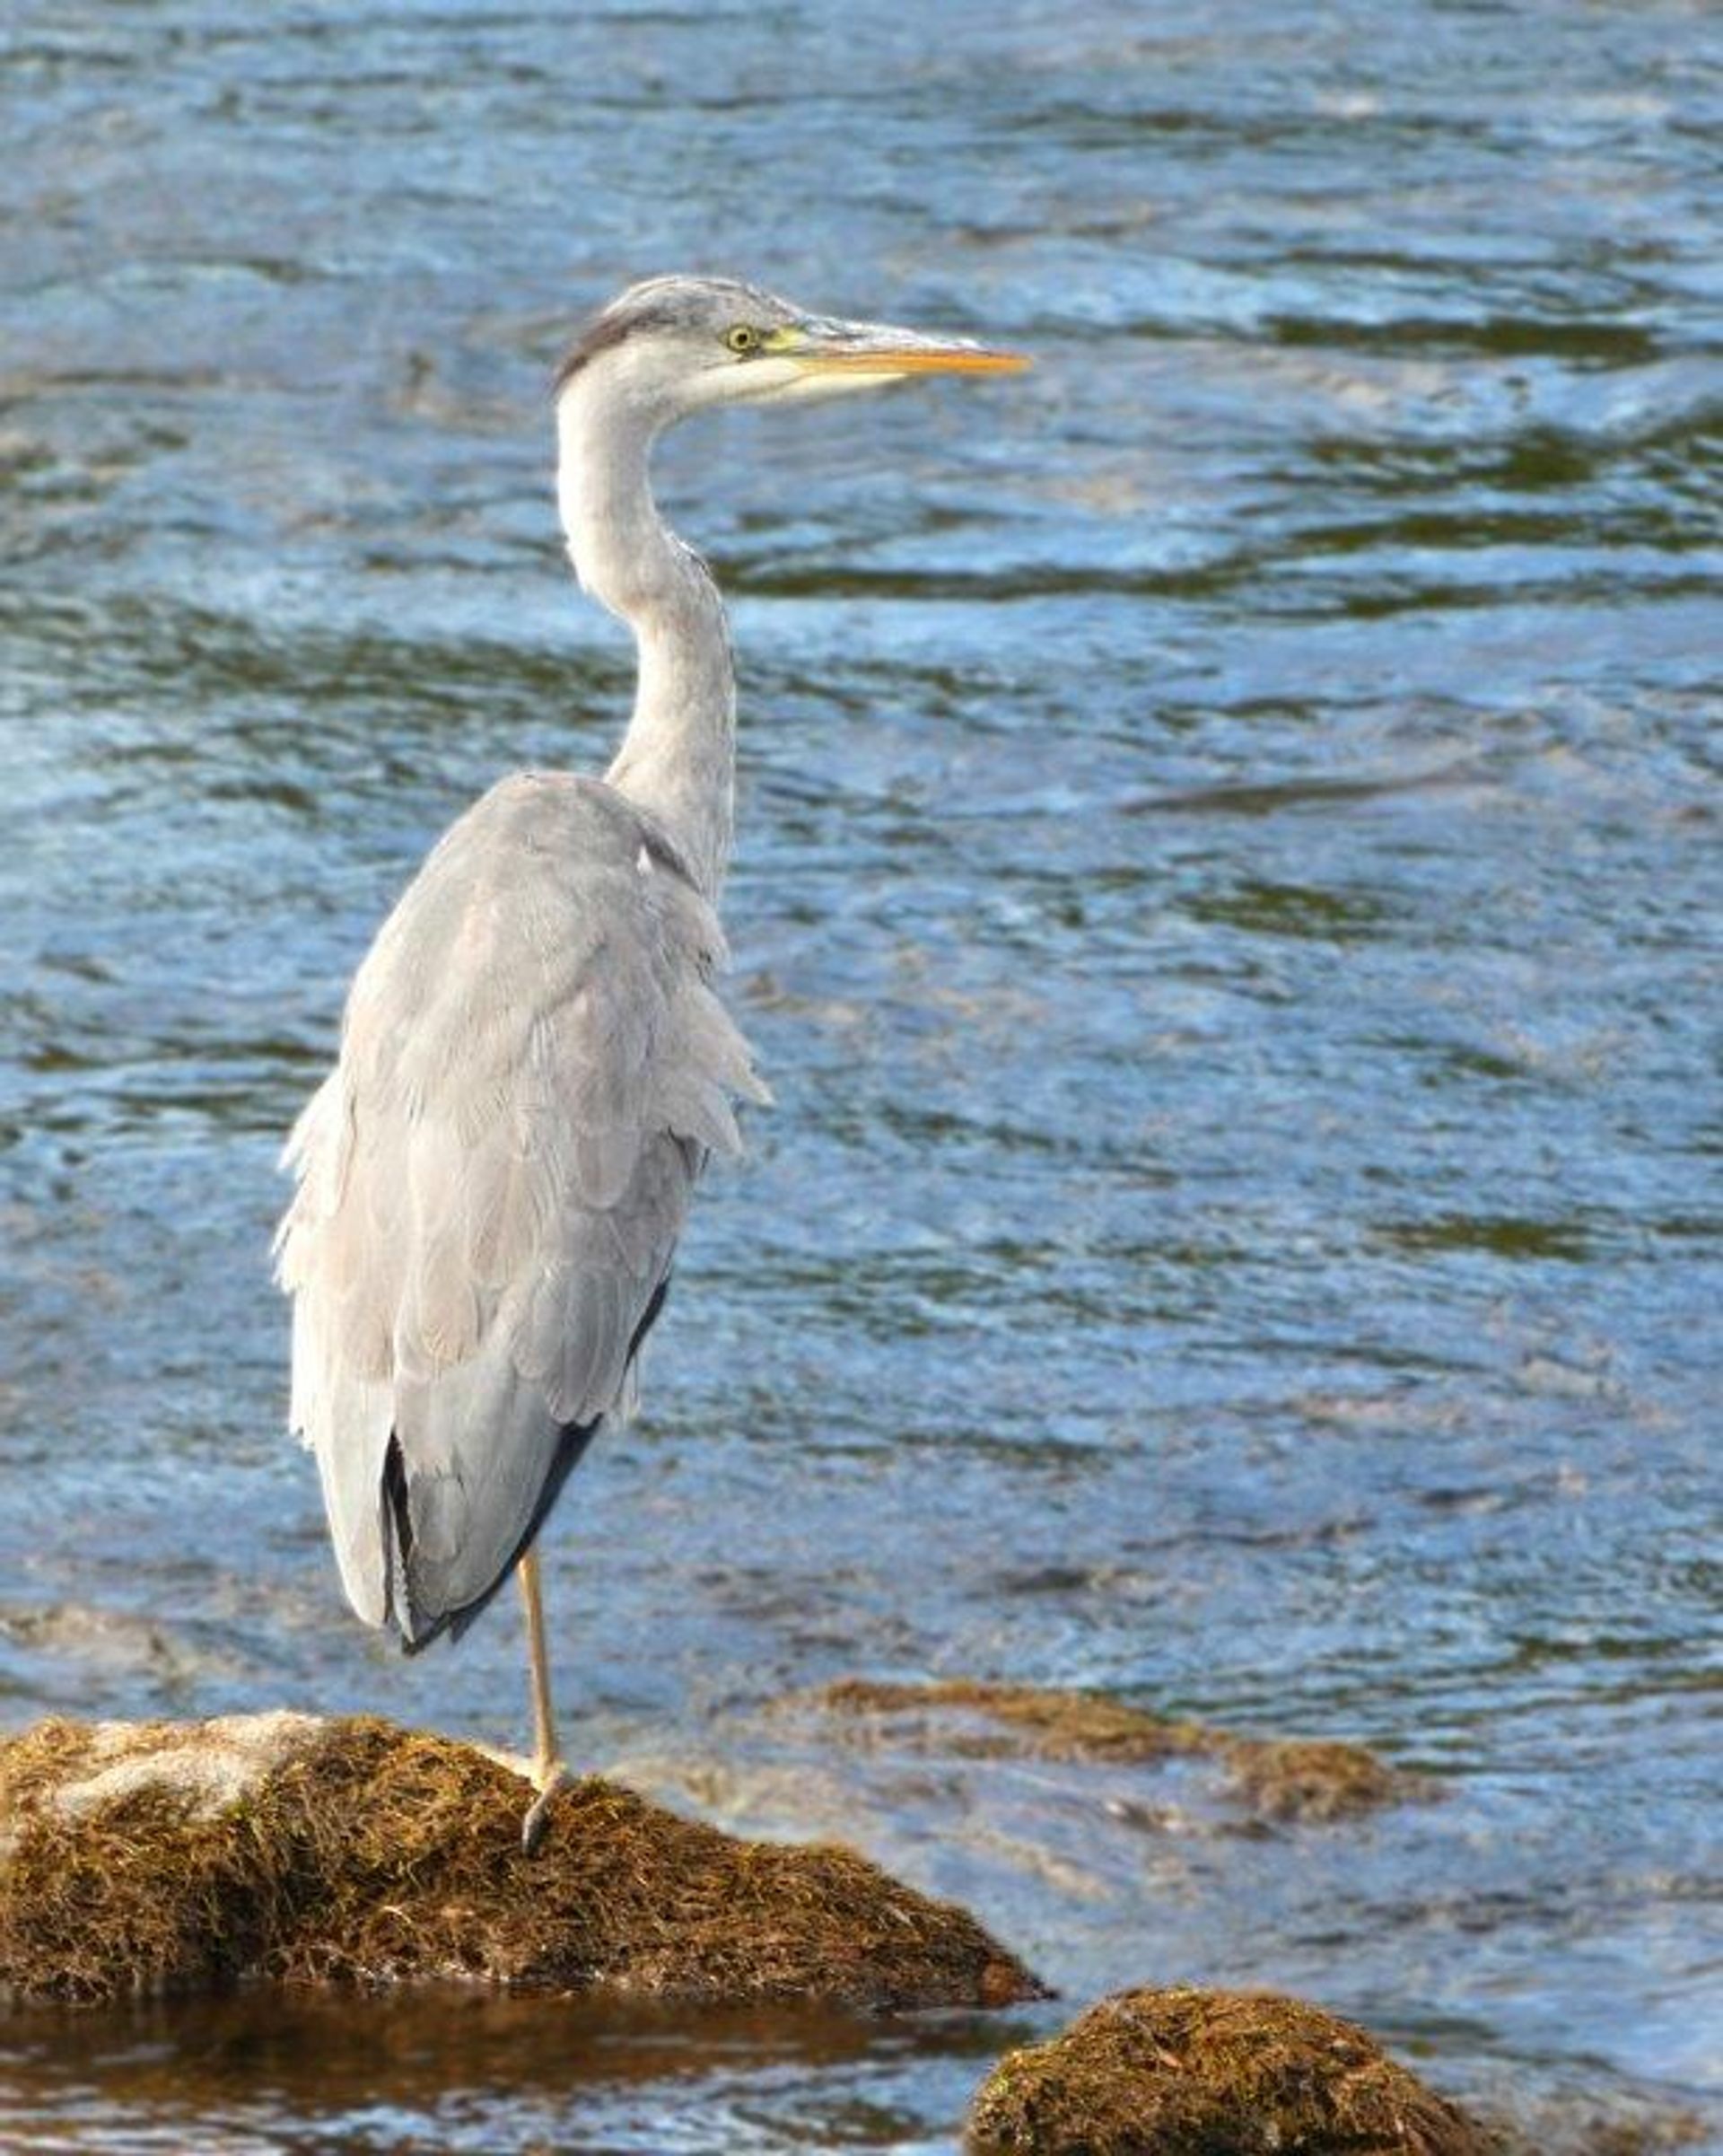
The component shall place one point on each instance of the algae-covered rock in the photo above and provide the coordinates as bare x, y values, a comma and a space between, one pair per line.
174, 1857
1186, 2072
1279, 1779
983, 1720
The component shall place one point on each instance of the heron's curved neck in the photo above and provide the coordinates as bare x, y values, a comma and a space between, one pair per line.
677, 758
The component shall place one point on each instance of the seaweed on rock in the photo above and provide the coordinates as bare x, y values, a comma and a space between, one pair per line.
1188, 2073
178, 1856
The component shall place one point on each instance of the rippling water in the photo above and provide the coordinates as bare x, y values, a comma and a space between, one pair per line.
1225, 900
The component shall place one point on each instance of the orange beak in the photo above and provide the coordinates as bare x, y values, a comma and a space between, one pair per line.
911, 359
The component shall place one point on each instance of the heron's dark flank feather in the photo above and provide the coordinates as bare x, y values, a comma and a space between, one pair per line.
417, 1630
407, 1610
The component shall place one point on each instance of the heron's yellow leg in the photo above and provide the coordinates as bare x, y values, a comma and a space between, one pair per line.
549, 1771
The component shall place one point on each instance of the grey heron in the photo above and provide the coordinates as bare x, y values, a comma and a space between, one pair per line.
534, 1066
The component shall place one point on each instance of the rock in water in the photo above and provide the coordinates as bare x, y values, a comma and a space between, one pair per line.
1186, 2072
175, 1856
1292, 1780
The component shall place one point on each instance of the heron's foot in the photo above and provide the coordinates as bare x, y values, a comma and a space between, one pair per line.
547, 1776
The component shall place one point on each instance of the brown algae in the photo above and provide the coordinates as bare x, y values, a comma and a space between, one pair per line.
1279, 1779
173, 1857
1189, 2073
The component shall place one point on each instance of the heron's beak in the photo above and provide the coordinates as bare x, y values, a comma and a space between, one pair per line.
912, 356
829, 355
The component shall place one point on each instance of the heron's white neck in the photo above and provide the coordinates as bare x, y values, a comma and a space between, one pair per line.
677, 758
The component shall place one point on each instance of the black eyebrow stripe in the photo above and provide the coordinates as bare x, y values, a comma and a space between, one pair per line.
605, 329
599, 336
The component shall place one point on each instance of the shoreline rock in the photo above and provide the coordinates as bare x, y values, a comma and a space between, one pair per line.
175, 1857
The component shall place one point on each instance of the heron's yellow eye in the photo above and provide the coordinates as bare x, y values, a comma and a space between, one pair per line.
743, 338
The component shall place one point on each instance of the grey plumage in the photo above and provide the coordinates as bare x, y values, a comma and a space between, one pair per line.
535, 1067
669, 306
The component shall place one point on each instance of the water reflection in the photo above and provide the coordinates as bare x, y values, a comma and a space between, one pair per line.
446, 2067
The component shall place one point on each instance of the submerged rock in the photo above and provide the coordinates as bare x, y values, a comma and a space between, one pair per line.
1600, 2123
1280, 1778
178, 1856
1186, 2072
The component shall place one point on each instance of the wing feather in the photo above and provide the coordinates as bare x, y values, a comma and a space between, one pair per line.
491, 1183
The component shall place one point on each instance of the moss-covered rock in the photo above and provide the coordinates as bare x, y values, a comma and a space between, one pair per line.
1184, 2072
175, 1856
1279, 1779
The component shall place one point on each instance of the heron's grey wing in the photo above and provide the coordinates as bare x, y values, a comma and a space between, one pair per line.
533, 1069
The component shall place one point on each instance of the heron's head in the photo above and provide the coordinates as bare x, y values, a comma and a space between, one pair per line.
677, 345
